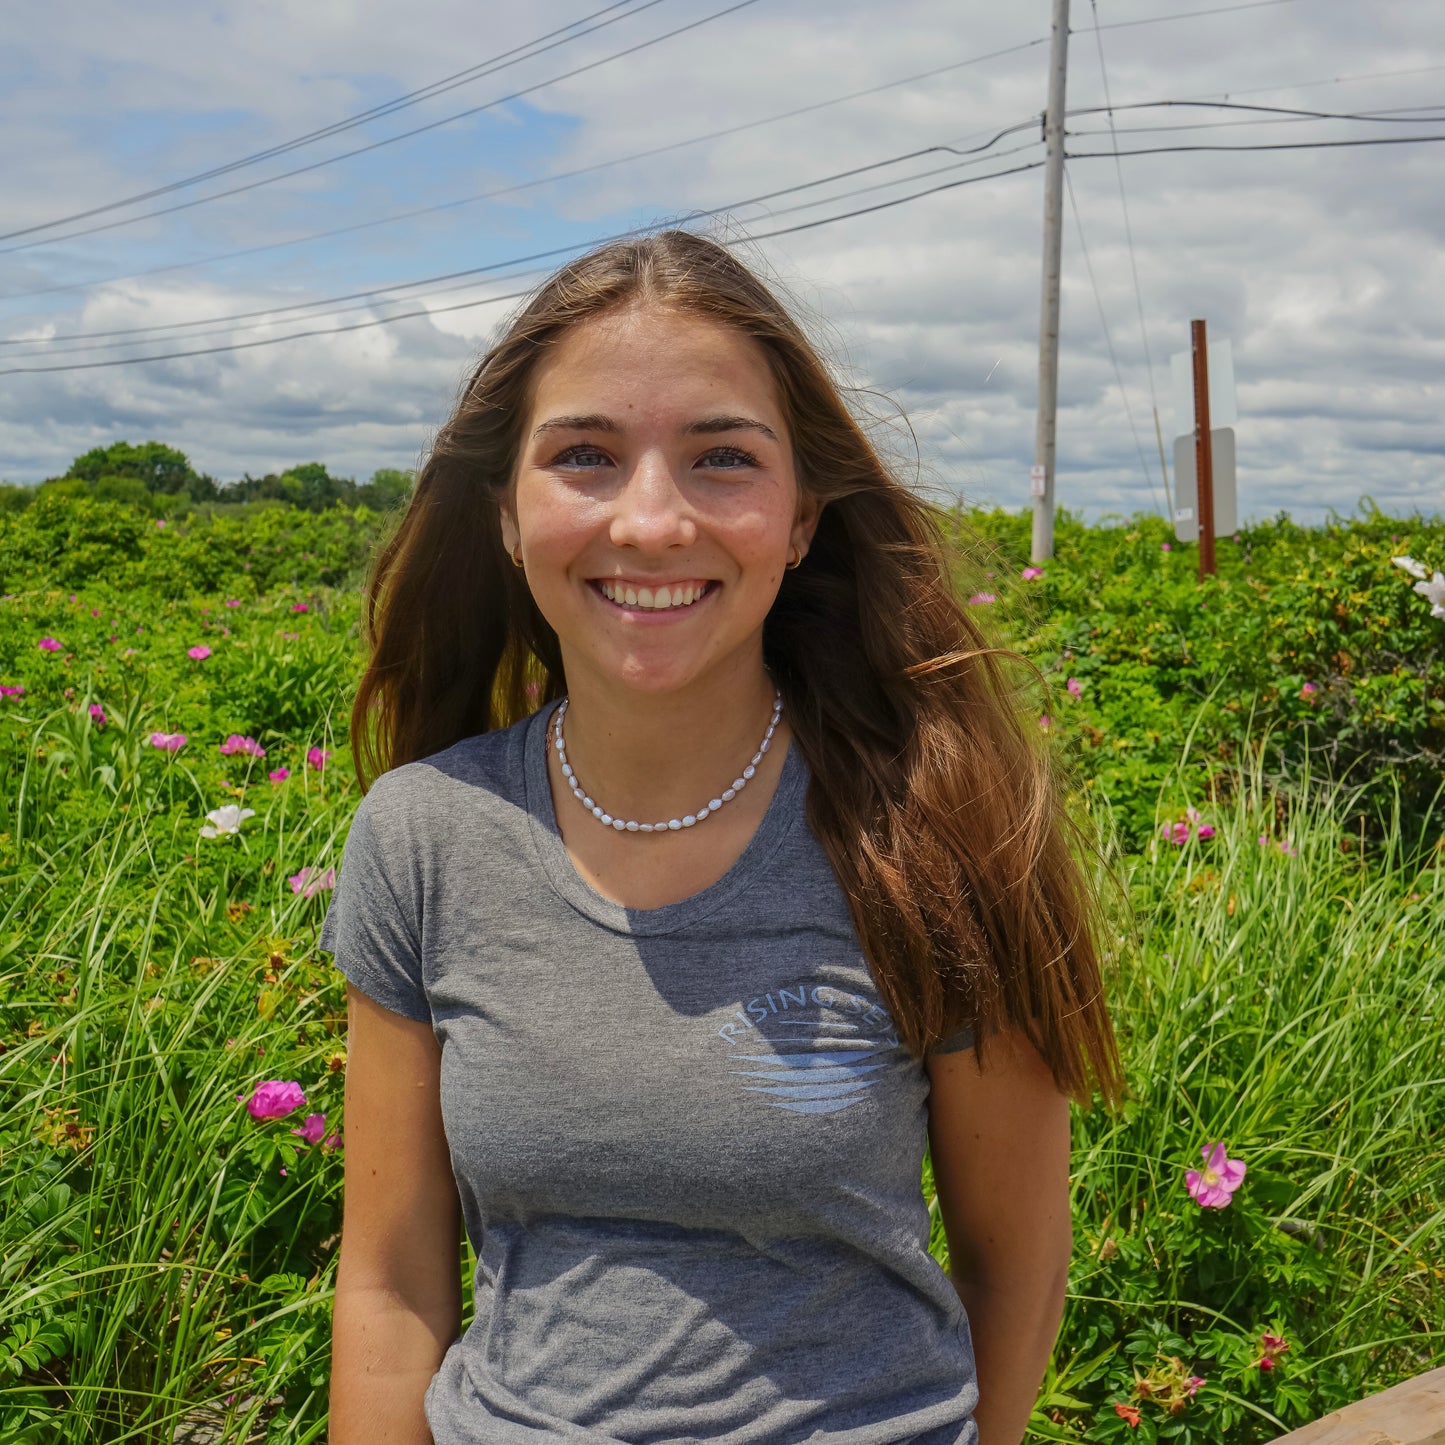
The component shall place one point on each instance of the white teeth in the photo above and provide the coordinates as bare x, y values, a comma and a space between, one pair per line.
676, 596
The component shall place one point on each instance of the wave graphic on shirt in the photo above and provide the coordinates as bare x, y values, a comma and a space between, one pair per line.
809, 1080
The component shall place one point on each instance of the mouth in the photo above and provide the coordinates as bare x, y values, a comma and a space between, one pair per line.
632, 596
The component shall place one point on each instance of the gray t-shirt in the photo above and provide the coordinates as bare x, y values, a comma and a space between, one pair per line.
687, 1142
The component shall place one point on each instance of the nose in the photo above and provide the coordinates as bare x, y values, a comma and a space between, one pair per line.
650, 510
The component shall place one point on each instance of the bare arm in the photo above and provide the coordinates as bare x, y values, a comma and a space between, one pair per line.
999, 1144
398, 1281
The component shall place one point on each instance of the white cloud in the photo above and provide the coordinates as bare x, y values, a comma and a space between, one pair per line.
1322, 267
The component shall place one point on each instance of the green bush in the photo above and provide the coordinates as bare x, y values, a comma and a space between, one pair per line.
77, 542
1309, 645
1277, 980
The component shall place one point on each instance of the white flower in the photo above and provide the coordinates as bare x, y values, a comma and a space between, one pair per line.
227, 820
1414, 568
1434, 592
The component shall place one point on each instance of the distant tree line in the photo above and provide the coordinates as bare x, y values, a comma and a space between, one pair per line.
161, 479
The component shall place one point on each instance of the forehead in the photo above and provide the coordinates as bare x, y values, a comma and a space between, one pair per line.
649, 359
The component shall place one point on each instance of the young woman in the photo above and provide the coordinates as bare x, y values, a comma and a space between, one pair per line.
709, 872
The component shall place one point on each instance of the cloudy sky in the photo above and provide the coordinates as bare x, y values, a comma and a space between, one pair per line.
1322, 267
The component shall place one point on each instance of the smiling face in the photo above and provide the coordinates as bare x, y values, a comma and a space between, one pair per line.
655, 503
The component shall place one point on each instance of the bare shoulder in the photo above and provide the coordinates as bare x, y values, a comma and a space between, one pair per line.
401, 1215
999, 1145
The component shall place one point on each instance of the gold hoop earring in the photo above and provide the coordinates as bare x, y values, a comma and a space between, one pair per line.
794, 565
516, 556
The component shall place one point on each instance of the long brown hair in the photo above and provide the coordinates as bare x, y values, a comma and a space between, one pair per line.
930, 791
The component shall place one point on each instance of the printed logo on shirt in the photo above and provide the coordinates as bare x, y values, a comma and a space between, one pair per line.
817, 1064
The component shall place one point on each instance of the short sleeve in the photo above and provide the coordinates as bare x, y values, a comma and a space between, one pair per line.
373, 937
954, 1043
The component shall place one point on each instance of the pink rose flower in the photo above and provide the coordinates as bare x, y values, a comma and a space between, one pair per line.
1031, 572
275, 1099
279, 775
97, 714
310, 881
1214, 1185
200, 653
49, 644
237, 744
317, 757
312, 1130
1076, 688
1272, 1347
168, 742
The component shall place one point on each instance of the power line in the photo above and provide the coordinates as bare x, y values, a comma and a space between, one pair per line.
512, 261
1108, 339
461, 306
1193, 125
1190, 15
389, 140
1129, 237
446, 120
497, 63
380, 296
381, 293
1393, 115
691, 140
1340, 80
1303, 145
559, 176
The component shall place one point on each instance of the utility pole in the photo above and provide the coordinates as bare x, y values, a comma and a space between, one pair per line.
1042, 481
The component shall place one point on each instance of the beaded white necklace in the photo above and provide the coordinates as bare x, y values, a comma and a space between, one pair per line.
631, 825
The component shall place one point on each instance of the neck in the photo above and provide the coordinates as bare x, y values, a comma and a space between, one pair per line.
649, 756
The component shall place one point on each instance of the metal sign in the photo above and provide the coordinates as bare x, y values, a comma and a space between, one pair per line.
1223, 410
1037, 481
1186, 481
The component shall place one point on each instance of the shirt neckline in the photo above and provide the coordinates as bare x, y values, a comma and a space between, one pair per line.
782, 816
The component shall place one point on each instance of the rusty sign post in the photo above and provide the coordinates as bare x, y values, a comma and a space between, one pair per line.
1203, 451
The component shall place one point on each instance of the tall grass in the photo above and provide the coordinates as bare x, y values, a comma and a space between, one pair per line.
1286, 996
155, 1254
156, 1259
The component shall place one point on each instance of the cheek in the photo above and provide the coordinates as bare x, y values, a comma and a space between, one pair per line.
756, 525
554, 521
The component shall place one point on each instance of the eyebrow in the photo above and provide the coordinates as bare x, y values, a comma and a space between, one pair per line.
709, 426
714, 424
577, 423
